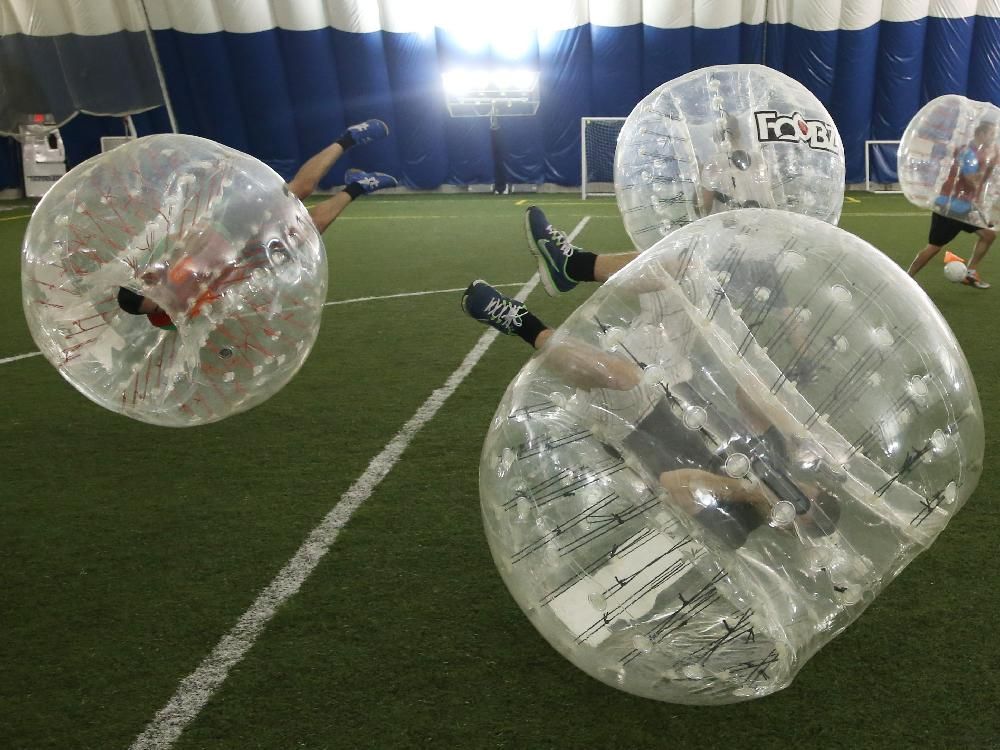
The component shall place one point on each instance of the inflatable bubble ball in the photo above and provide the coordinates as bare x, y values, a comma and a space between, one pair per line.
948, 157
731, 136
724, 455
174, 280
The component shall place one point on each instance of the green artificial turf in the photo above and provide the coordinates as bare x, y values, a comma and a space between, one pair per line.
127, 551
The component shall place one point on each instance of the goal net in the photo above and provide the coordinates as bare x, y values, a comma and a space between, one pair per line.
598, 138
880, 167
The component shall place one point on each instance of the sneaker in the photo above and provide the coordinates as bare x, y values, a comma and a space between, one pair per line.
972, 279
487, 305
552, 249
370, 181
368, 131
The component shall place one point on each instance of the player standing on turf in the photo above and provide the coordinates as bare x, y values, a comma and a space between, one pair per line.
962, 189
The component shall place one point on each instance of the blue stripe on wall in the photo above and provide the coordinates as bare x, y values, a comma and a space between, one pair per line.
260, 83
364, 86
312, 84
853, 95
898, 82
565, 99
418, 97
214, 98
946, 69
752, 43
715, 46
984, 68
666, 54
284, 95
811, 59
467, 139
616, 70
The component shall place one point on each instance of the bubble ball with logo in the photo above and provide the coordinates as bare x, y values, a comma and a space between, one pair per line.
730, 136
210, 236
948, 157
724, 455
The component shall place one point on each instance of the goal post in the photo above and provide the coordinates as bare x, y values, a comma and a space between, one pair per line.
884, 153
598, 139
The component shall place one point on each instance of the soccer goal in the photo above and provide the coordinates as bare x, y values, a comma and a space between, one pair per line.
598, 138
884, 154
109, 142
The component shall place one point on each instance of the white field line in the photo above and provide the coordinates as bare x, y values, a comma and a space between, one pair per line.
326, 304
197, 688
16, 357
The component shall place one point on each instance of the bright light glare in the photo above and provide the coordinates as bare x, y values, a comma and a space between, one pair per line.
506, 27
462, 81
457, 82
514, 79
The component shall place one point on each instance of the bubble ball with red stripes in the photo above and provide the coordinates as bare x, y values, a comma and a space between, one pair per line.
729, 136
948, 159
725, 454
174, 280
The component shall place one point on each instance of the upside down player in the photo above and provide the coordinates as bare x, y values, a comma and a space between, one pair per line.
725, 506
303, 185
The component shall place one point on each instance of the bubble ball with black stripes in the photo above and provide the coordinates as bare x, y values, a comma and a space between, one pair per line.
205, 239
724, 137
948, 160
719, 460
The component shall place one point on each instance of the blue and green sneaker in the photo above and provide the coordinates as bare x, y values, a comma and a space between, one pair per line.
552, 249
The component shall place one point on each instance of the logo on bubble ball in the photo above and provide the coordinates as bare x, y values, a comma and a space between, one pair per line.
794, 128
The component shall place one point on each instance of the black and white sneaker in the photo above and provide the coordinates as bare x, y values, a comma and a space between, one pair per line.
489, 306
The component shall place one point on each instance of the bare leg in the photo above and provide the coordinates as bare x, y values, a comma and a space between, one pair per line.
307, 178
581, 364
587, 367
324, 213
542, 338
923, 257
986, 237
683, 484
607, 265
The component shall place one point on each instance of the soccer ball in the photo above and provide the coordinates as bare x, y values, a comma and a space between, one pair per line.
955, 270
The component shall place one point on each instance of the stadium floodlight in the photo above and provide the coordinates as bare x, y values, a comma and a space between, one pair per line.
494, 93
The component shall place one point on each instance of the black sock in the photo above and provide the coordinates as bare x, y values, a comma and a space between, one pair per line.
530, 328
580, 265
354, 190
346, 140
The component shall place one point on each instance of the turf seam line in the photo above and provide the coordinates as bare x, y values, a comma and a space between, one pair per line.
197, 688
410, 294
327, 304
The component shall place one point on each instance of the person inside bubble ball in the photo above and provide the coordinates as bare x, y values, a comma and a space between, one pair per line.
187, 280
735, 176
690, 470
563, 265
973, 166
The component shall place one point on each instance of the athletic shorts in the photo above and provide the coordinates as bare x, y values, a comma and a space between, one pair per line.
731, 523
945, 229
662, 443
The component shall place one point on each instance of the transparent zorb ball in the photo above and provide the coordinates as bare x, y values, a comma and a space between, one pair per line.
730, 136
721, 458
208, 234
947, 160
